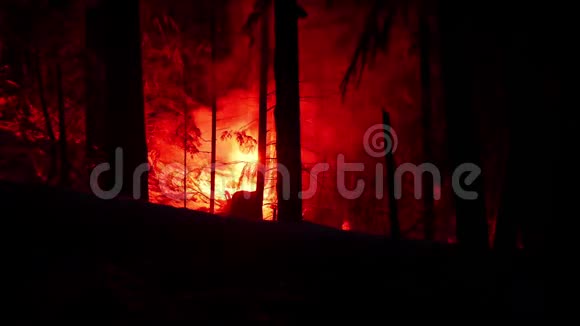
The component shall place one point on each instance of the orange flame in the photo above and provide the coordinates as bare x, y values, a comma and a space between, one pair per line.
236, 162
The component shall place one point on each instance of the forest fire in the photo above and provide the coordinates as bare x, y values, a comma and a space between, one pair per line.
184, 71
267, 161
179, 145
59, 111
236, 169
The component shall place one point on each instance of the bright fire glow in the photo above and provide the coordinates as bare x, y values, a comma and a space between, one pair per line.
236, 157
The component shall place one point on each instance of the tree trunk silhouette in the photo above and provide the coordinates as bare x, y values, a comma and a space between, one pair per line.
185, 134
64, 163
534, 101
125, 114
287, 111
48, 123
464, 146
16, 40
508, 223
213, 107
95, 86
426, 98
263, 109
393, 208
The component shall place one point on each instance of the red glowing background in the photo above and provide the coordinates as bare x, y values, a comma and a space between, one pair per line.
177, 69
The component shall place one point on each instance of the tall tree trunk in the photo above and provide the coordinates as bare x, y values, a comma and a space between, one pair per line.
64, 163
16, 39
464, 146
426, 98
48, 123
125, 114
213, 107
508, 223
287, 111
393, 208
95, 76
263, 107
534, 101
185, 134
95, 85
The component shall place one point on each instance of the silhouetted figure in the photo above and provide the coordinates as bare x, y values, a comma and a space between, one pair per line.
244, 205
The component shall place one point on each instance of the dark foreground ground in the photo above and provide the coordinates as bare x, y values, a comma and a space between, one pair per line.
73, 257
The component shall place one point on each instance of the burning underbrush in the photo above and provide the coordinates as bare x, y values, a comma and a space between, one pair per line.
179, 114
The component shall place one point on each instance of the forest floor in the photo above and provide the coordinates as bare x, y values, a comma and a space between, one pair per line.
78, 258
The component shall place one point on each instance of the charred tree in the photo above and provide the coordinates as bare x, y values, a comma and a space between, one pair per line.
15, 55
426, 119
508, 223
48, 123
263, 107
464, 144
95, 85
393, 208
287, 111
64, 163
124, 116
213, 39
16, 38
185, 137
535, 99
